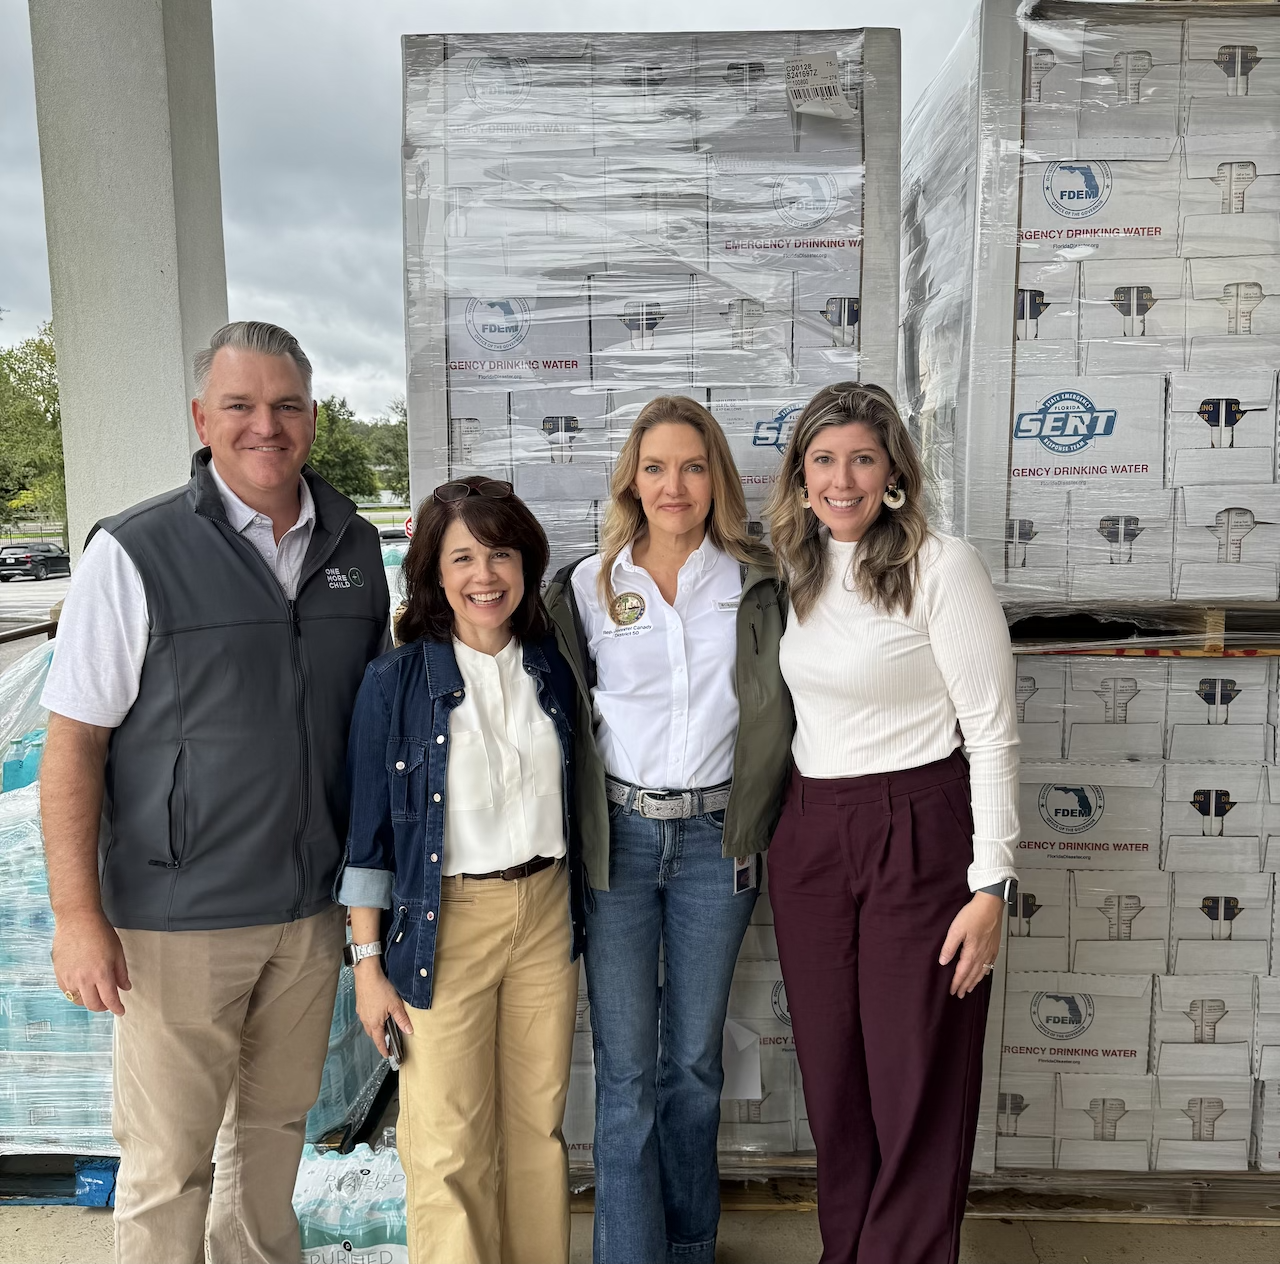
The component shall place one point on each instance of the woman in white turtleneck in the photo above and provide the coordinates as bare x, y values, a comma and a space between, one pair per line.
890, 868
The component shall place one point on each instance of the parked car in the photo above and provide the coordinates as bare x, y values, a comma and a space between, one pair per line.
392, 533
37, 559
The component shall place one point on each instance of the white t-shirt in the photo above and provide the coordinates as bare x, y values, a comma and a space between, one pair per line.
504, 795
104, 628
878, 692
665, 705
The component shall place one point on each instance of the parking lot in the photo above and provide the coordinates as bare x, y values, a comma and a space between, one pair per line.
25, 601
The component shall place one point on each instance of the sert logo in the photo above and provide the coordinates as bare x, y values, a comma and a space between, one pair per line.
498, 324
1071, 809
1062, 1015
498, 84
1065, 422
1077, 190
806, 200
776, 432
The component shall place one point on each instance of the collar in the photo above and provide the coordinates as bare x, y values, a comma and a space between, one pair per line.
242, 516
701, 560
444, 677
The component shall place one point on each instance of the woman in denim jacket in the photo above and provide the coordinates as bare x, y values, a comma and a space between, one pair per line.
459, 871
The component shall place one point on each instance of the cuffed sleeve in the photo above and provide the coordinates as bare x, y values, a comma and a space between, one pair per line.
370, 837
365, 888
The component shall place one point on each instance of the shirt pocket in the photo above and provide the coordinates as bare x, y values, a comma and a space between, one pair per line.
544, 755
408, 779
468, 776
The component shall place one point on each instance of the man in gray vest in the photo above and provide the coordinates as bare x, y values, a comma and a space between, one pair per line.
194, 799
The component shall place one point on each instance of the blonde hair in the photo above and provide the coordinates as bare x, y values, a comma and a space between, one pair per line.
624, 521
884, 569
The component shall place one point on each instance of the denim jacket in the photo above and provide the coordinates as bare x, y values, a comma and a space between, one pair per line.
396, 760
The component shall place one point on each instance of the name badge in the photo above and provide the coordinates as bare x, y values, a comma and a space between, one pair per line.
729, 605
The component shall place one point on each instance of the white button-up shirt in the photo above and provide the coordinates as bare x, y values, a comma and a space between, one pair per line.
666, 709
104, 628
504, 796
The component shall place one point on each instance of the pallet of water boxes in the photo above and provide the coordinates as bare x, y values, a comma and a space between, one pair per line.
592, 220
1098, 414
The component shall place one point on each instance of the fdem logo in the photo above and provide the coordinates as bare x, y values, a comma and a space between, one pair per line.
805, 200
1077, 189
499, 324
498, 84
1062, 1015
1065, 422
776, 432
1071, 809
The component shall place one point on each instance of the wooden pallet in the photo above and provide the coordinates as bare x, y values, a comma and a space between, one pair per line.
1166, 631
58, 1180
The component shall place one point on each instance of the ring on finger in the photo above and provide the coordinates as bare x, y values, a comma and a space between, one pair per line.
986, 969
73, 997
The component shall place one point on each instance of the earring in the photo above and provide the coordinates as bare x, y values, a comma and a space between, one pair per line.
804, 498
894, 497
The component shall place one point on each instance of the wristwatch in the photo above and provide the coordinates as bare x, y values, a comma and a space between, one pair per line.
358, 952
1006, 890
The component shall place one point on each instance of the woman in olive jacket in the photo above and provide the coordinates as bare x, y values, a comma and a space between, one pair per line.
683, 748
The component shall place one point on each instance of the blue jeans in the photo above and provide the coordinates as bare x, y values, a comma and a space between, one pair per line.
657, 1049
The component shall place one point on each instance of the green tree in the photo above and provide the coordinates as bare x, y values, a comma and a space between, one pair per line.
388, 438
32, 484
340, 454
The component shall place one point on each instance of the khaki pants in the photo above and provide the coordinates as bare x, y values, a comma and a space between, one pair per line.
485, 1076
218, 1023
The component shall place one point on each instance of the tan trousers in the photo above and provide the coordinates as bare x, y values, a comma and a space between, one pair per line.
218, 1023
485, 1076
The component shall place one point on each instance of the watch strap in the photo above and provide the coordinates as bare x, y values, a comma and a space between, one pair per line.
1007, 890
353, 953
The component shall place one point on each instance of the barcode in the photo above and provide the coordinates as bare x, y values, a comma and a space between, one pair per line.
820, 91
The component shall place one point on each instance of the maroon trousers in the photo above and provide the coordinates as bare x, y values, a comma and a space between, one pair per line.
865, 876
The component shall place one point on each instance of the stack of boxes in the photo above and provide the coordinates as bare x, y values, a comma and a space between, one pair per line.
1129, 325
1143, 953
594, 220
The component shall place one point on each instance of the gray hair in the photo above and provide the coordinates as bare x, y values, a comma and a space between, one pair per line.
251, 335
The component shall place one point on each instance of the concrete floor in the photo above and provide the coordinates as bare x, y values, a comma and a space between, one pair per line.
78, 1235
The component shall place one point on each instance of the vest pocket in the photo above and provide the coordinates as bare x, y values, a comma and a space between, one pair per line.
178, 808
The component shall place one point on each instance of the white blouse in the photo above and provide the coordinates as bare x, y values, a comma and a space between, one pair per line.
878, 692
504, 794
665, 704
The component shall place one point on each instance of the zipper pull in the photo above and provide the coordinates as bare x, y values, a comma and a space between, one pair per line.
403, 911
293, 618
755, 640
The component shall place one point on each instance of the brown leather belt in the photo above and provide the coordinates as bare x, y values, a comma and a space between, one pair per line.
526, 870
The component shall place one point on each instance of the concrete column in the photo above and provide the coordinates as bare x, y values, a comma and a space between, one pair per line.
126, 110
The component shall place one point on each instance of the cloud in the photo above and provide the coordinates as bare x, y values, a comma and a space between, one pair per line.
309, 118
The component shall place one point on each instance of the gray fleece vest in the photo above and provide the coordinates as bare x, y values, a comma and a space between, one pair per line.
226, 789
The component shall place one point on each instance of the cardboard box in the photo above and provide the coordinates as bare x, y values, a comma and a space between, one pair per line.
656, 213
1219, 708
560, 444
1115, 709
1104, 1122
1083, 1022
757, 422
1024, 1120
1266, 1116
1222, 428
1202, 1123
786, 212
826, 329
501, 337
479, 433
1232, 60
1097, 434
580, 1114
530, 93
1104, 816
644, 98
1120, 545
1231, 209
1227, 544
743, 103
1132, 316
1130, 90
572, 527
1047, 331
1119, 922
1233, 316
1041, 692
1203, 1024
1213, 817
642, 329
1222, 922
1052, 72
1039, 922
758, 994
1121, 210
1267, 1028
742, 328
1035, 548
764, 1124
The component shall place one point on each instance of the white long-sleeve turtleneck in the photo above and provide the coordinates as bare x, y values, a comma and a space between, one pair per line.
878, 692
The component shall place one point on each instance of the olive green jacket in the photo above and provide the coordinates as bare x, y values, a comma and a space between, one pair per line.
762, 754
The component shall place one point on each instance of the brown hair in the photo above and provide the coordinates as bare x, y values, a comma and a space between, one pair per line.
504, 523
624, 521
884, 569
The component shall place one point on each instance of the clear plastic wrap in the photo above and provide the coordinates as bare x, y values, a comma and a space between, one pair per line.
351, 1206
1091, 340
593, 220
1141, 1015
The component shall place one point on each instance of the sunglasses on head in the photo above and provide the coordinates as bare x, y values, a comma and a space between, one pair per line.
490, 489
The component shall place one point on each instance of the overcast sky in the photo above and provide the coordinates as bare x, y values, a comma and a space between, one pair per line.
309, 128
